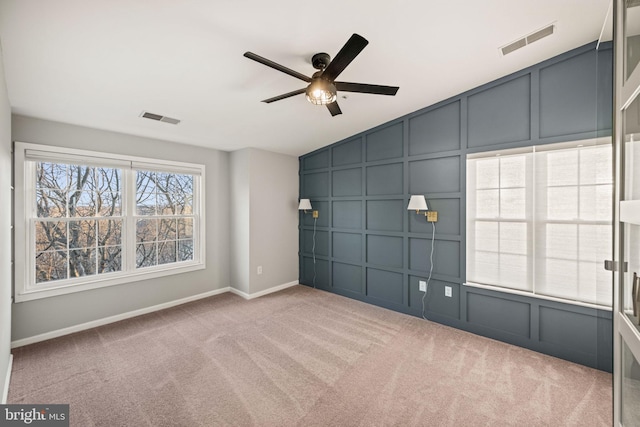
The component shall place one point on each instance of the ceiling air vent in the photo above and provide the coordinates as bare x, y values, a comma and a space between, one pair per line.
528, 39
158, 117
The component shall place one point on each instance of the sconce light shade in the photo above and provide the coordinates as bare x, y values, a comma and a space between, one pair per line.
417, 203
305, 204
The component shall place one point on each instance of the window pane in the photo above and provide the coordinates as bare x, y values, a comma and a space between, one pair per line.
109, 259
487, 203
109, 204
146, 255
146, 230
51, 203
561, 241
513, 171
167, 252
562, 168
562, 203
82, 262
82, 234
52, 176
487, 236
51, 265
513, 203
488, 173
513, 238
185, 250
146, 204
50, 235
82, 203
167, 229
185, 228
514, 271
109, 232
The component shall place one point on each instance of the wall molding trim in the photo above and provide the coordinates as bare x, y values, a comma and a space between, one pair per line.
265, 292
111, 319
7, 380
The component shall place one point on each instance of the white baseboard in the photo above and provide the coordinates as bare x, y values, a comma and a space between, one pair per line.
7, 380
112, 319
265, 292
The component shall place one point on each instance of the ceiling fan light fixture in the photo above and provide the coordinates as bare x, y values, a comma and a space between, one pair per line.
321, 92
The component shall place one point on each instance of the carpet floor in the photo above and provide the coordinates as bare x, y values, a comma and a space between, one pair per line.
302, 357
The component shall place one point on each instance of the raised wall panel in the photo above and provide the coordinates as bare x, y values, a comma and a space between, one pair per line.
446, 256
347, 214
568, 92
385, 143
347, 182
605, 90
317, 160
347, 277
315, 185
320, 269
435, 302
500, 114
385, 285
323, 214
347, 153
321, 242
435, 131
500, 314
384, 251
347, 246
568, 329
448, 217
440, 175
385, 215
385, 180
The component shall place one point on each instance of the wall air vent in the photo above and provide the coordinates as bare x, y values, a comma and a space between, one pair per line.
158, 117
528, 39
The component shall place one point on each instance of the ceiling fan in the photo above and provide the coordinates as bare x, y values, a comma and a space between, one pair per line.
322, 88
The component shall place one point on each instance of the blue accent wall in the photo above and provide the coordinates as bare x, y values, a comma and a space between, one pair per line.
369, 247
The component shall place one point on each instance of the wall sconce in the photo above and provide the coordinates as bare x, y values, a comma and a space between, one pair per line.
419, 203
305, 205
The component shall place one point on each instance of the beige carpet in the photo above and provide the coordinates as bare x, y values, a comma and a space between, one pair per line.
302, 357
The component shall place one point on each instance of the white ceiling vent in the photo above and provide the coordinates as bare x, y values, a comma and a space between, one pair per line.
528, 39
158, 117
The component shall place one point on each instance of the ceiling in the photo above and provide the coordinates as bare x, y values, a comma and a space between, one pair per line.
101, 63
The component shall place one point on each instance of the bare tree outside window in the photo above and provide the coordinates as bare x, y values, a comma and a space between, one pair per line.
78, 229
164, 218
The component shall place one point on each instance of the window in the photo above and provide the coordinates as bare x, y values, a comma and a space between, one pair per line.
539, 220
94, 219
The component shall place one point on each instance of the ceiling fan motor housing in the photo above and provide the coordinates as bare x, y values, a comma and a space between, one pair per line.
320, 61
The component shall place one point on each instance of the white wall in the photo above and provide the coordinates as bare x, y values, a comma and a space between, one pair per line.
50, 314
264, 187
274, 219
5, 230
240, 225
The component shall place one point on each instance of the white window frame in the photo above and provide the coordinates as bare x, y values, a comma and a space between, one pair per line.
532, 292
25, 195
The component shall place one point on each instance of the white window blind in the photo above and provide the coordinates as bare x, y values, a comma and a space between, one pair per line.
540, 221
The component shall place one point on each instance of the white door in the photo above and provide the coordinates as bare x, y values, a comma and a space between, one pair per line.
626, 309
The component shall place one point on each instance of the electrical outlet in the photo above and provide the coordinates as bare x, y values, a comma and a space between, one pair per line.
448, 291
259, 269
423, 286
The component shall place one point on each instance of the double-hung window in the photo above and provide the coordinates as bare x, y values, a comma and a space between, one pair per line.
87, 219
539, 220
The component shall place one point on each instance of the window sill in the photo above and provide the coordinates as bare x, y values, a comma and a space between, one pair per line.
105, 281
538, 296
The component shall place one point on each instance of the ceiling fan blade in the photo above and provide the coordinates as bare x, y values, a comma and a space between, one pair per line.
334, 108
349, 51
276, 66
283, 96
366, 88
